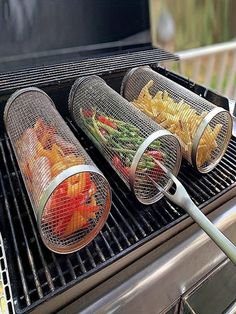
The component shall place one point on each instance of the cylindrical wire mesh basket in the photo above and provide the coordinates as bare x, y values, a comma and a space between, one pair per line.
70, 197
203, 129
129, 140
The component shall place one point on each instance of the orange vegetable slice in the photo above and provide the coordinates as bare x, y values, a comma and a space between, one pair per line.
77, 222
92, 190
89, 212
78, 184
39, 128
57, 168
25, 169
72, 160
56, 154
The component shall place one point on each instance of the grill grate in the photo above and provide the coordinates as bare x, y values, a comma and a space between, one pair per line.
40, 274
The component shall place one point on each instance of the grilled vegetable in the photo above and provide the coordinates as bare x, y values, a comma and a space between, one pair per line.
123, 139
180, 119
155, 154
41, 148
27, 145
65, 146
76, 222
40, 180
45, 133
107, 122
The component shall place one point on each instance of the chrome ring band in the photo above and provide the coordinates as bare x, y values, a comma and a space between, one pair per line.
48, 192
154, 136
127, 76
198, 135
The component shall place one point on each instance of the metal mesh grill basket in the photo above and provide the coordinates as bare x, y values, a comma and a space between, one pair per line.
70, 196
203, 129
127, 138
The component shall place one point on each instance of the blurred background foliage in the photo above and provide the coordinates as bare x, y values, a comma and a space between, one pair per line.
179, 25
183, 24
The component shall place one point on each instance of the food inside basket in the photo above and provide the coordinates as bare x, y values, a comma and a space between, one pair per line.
180, 119
122, 139
44, 154
72, 206
3, 302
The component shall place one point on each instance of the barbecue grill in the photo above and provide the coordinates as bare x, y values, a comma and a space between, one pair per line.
42, 281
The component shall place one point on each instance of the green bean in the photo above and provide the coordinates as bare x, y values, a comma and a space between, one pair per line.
123, 150
128, 127
148, 164
121, 124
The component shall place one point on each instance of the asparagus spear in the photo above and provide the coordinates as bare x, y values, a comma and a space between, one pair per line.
126, 133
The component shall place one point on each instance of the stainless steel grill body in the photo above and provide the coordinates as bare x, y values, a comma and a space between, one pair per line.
203, 129
70, 196
129, 140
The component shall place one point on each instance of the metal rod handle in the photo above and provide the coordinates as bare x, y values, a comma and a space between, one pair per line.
182, 199
215, 234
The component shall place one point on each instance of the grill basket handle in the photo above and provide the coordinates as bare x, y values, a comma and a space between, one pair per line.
182, 199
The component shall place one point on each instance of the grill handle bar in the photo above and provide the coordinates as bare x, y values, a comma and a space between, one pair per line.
182, 199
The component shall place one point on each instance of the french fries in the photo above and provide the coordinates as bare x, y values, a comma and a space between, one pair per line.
181, 119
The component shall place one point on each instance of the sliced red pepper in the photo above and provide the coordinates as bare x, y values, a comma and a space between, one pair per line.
80, 219
70, 197
88, 181
106, 121
155, 154
88, 113
54, 214
60, 221
125, 171
72, 202
58, 195
156, 173
61, 225
117, 162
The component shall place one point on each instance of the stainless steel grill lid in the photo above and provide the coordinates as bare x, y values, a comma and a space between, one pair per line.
71, 198
203, 129
127, 138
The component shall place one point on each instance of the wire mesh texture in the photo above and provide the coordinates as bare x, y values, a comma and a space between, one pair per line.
41, 275
70, 196
203, 129
129, 140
